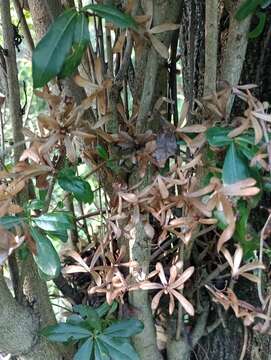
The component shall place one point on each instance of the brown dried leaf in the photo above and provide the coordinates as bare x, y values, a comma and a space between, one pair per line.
162, 188
257, 129
192, 129
159, 46
8, 242
70, 149
164, 27
47, 122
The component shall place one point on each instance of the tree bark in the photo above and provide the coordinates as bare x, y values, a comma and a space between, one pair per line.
19, 329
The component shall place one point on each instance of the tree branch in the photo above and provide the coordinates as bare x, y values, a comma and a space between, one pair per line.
211, 45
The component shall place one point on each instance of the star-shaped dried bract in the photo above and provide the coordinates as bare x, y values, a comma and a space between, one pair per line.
170, 287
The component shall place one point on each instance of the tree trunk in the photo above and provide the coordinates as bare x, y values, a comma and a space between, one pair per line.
240, 61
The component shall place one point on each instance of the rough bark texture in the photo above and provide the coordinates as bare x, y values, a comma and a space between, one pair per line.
12, 79
191, 46
20, 323
242, 62
152, 88
19, 330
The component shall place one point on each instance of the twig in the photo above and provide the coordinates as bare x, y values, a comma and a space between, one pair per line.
85, 226
211, 328
244, 349
24, 24
125, 61
266, 324
260, 290
49, 195
214, 274
91, 214
180, 308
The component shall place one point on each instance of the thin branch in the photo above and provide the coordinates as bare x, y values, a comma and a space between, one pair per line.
211, 45
244, 348
260, 290
25, 27
91, 214
49, 195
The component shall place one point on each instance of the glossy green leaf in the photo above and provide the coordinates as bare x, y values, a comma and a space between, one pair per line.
91, 316
100, 352
218, 137
234, 168
80, 42
246, 9
46, 256
9, 221
51, 52
85, 351
260, 26
36, 204
113, 15
61, 235
64, 332
79, 187
124, 328
248, 150
118, 349
55, 221
106, 309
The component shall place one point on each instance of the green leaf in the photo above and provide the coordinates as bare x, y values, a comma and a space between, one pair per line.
88, 313
77, 186
100, 352
218, 137
260, 26
85, 351
55, 221
102, 152
36, 204
114, 15
246, 9
234, 168
51, 52
80, 42
124, 328
118, 349
61, 235
64, 332
9, 221
241, 224
46, 257
106, 309
247, 150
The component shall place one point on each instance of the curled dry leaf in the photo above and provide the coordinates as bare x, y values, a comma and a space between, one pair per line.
164, 27
159, 46
235, 263
8, 243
